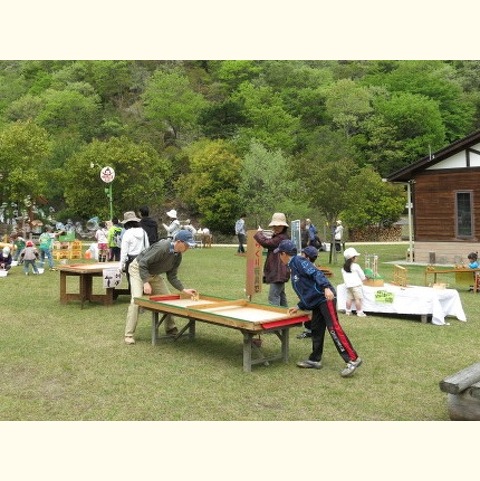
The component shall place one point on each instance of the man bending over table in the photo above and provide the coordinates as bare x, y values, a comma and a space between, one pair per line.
163, 257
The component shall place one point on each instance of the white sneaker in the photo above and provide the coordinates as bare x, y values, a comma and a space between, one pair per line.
361, 314
129, 340
350, 367
348, 313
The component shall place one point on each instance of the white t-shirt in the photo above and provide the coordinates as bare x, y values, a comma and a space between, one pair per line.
354, 278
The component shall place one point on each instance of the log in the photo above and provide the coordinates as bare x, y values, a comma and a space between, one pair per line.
459, 381
463, 407
475, 390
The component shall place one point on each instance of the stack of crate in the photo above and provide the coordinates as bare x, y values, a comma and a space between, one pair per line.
76, 250
67, 250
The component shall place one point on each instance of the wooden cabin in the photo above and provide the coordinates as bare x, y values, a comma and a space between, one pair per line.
445, 198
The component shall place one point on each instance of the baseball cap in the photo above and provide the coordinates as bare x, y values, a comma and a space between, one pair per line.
350, 252
185, 236
310, 251
286, 246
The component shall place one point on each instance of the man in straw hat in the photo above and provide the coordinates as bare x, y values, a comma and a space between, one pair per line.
163, 257
275, 272
134, 240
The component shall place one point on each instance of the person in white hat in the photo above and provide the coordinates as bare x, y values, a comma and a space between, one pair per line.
134, 241
174, 226
338, 234
353, 277
146, 277
275, 273
5, 259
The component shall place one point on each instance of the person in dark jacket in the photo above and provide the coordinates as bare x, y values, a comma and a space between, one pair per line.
275, 272
149, 225
317, 295
5, 259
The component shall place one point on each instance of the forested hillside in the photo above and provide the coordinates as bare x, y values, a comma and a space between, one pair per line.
213, 139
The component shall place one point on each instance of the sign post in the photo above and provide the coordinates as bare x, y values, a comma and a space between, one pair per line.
254, 266
107, 174
296, 234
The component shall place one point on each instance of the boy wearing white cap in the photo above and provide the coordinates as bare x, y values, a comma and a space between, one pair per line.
353, 277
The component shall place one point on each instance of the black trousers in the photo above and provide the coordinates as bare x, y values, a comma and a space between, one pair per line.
325, 317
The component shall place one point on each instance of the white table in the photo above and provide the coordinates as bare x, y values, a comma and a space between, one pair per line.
413, 300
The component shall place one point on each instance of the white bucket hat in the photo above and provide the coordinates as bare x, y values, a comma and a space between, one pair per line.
278, 219
350, 253
172, 214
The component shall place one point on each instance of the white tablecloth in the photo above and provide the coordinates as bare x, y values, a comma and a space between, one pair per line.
414, 300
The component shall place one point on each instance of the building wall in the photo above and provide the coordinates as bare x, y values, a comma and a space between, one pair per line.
450, 253
434, 204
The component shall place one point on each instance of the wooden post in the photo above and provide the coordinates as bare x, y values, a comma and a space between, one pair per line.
254, 265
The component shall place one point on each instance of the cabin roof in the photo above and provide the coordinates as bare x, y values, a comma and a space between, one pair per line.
407, 173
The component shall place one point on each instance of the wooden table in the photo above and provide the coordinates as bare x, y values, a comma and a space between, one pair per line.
85, 274
249, 318
463, 275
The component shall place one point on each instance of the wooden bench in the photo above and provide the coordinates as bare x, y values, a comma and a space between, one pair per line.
463, 389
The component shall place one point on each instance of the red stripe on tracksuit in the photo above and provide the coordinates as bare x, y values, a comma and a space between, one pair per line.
338, 334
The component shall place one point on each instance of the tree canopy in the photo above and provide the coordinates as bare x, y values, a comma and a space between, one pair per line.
216, 137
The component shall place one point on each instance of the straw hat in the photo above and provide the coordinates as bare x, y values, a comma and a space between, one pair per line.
129, 217
278, 219
172, 214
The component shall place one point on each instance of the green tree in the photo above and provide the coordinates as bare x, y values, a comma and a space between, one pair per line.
140, 175
267, 119
347, 103
405, 124
69, 110
372, 201
211, 186
171, 103
24, 172
266, 186
326, 184
26, 107
437, 81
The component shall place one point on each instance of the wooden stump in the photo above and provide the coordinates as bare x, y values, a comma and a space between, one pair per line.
463, 390
463, 406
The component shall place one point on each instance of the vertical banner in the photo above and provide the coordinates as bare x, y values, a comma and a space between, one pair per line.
254, 265
296, 235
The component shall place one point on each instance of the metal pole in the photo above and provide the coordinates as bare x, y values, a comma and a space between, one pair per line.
410, 230
110, 196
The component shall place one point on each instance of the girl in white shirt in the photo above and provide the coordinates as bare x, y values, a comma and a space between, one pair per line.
353, 277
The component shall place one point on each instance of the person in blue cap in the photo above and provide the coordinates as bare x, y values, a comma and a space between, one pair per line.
317, 295
163, 257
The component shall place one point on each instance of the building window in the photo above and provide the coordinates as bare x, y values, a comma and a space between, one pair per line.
464, 203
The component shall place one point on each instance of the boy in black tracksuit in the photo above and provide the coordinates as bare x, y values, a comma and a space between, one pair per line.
316, 294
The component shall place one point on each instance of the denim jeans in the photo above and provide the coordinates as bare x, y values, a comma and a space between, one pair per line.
276, 295
48, 254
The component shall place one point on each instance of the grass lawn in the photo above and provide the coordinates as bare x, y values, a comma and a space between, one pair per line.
63, 363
